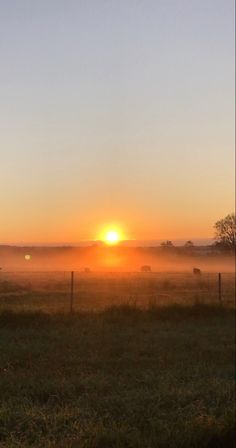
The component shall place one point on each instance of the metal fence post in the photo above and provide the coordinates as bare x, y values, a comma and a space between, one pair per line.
71, 291
219, 288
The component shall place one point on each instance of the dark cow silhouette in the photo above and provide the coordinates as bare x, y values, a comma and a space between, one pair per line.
146, 268
197, 272
87, 270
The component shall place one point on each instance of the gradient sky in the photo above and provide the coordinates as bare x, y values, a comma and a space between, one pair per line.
115, 112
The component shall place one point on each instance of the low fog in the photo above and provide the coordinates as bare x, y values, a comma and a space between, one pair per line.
113, 259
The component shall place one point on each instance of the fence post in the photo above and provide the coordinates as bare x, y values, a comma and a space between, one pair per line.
71, 291
219, 288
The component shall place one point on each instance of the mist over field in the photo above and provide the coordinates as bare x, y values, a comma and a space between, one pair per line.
114, 259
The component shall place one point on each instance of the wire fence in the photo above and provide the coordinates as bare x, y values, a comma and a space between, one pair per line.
85, 291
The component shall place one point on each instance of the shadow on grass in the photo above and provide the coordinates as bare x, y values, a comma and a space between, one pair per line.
174, 312
225, 439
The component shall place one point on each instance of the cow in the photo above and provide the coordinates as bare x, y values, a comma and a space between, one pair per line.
197, 272
146, 268
87, 270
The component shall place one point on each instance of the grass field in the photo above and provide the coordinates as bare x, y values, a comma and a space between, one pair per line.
50, 291
123, 377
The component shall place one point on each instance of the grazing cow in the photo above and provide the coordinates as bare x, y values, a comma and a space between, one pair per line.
197, 272
146, 268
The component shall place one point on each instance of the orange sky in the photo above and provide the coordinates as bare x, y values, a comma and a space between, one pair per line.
126, 117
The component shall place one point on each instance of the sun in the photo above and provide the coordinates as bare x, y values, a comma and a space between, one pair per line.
112, 237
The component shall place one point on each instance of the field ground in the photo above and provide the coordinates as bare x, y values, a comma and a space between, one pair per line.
123, 377
50, 291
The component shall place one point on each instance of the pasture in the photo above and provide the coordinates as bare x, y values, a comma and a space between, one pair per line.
132, 369
51, 291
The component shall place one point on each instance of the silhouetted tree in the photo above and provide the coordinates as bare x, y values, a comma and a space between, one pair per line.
167, 244
189, 244
188, 247
225, 232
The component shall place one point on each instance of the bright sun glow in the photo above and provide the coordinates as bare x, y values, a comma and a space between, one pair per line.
112, 237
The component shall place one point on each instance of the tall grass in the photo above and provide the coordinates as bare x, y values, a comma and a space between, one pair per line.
122, 377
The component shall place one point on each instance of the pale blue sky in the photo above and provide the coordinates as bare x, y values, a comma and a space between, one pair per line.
115, 111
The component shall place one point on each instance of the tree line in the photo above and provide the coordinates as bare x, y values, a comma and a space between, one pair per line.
224, 237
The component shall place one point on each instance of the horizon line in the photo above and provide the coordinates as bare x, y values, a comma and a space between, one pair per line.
91, 242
